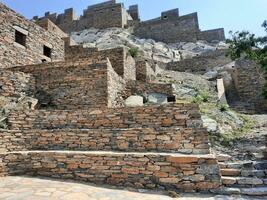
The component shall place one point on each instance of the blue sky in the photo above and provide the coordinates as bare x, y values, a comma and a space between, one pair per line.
229, 14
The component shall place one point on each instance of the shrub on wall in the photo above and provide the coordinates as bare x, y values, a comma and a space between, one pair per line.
134, 52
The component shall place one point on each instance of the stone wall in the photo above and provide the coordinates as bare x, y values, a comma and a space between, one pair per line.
144, 88
184, 28
182, 140
144, 72
116, 88
177, 115
12, 53
172, 28
149, 170
71, 85
104, 15
120, 59
200, 64
50, 26
15, 84
212, 35
249, 81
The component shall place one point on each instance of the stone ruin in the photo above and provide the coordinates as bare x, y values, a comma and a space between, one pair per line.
170, 27
81, 128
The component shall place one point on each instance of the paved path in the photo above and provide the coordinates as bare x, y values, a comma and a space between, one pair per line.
24, 188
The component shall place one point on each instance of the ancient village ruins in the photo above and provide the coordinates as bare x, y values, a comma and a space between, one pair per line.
78, 121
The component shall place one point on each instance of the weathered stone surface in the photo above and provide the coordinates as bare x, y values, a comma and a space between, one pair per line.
249, 181
117, 169
134, 101
229, 180
13, 53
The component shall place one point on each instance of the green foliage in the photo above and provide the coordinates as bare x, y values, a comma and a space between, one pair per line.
224, 107
245, 44
134, 52
228, 138
202, 97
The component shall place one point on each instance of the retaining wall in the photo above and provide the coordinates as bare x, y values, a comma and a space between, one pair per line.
182, 140
172, 114
148, 170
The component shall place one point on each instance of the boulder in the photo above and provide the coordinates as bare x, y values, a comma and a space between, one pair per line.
210, 124
134, 101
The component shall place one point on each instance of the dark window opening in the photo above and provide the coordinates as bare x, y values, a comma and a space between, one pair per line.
20, 38
47, 51
165, 17
171, 99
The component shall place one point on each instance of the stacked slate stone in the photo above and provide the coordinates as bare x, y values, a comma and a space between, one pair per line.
88, 135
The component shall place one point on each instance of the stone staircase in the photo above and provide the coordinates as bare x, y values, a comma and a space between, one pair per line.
163, 147
245, 172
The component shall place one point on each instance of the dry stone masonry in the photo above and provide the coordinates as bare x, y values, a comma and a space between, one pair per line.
80, 127
22, 42
170, 27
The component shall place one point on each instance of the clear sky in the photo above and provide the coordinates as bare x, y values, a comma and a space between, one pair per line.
229, 14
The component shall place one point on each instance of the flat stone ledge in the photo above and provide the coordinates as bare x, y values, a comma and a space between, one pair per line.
208, 156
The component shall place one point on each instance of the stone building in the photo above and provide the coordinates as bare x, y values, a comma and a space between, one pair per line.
103, 15
81, 108
23, 42
169, 28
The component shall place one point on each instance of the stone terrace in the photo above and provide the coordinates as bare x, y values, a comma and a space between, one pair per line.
140, 157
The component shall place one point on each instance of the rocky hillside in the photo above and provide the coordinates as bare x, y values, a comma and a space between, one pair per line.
114, 37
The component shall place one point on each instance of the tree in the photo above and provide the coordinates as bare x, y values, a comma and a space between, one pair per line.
246, 44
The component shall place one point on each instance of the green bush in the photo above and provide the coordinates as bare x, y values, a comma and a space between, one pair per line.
202, 97
224, 108
134, 52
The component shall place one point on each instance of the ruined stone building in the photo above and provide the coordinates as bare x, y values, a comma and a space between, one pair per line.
81, 127
23, 42
170, 27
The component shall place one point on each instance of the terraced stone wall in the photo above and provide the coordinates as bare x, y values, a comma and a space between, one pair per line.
32, 38
172, 114
149, 170
182, 140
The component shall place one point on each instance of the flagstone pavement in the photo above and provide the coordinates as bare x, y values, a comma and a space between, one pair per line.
27, 188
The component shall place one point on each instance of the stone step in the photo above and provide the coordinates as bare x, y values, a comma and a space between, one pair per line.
254, 191
244, 173
243, 181
223, 157
139, 170
258, 165
168, 139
